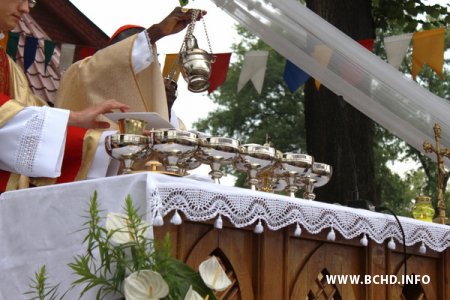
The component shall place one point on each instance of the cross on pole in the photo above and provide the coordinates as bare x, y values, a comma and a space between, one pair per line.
440, 154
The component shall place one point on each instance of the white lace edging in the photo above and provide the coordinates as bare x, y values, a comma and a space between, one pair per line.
29, 141
244, 209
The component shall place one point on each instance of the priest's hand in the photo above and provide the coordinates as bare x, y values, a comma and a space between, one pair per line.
87, 118
176, 21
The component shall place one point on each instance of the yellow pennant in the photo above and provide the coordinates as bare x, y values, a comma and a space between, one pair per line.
317, 84
428, 48
171, 65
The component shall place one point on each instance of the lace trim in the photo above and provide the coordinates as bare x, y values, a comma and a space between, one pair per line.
245, 209
29, 142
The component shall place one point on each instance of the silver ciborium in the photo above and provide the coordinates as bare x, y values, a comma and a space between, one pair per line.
217, 152
254, 159
195, 62
294, 166
319, 175
172, 146
129, 145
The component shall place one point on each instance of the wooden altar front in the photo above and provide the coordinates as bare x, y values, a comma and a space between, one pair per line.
272, 246
279, 265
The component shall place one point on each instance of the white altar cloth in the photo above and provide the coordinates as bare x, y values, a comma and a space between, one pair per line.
40, 226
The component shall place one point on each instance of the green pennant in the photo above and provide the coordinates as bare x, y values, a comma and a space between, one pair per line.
13, 44
49, 48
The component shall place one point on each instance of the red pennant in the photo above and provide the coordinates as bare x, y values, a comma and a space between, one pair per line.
84, 52
354, 76
219, 70
368, 44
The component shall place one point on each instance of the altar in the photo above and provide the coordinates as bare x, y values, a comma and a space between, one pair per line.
273, 246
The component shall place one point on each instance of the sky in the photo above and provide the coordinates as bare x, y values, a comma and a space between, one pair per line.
109, 15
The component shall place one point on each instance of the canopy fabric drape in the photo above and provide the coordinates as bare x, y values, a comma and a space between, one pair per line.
364, 80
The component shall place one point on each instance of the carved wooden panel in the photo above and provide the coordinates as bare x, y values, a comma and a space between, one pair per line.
277, 265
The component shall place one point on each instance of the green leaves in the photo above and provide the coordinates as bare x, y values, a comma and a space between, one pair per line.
184, 2
39, 288
105, 265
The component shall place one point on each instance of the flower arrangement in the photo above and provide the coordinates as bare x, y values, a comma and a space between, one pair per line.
121, 261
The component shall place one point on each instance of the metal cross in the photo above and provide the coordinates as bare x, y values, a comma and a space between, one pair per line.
440, 154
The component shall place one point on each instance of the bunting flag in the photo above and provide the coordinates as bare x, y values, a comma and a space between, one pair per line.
322, 54
219, 70
4, 39
396, 48
13, 44
49, 48
428, 48
353, 75
171, 65
254, 69
29, 54
66, 58
84, 52
367, 43
294, 76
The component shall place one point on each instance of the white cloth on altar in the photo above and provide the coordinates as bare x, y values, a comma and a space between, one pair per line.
33, 142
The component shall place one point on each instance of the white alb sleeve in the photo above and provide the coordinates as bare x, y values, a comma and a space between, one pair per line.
33, 142
142, 53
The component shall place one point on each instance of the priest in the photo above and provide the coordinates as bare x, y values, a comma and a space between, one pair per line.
127, 69
39, 144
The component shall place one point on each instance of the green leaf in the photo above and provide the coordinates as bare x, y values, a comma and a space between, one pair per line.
184, 2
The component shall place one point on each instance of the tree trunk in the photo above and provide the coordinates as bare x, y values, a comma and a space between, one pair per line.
337, 133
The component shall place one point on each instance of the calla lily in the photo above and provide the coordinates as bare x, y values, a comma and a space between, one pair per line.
145, 285
120, 224
192, 295
213, 275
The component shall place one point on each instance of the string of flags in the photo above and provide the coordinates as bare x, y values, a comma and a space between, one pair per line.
427, 48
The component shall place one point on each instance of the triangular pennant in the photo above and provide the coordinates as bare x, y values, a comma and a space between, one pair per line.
351, 73
367, 43
322, 54
29, 53
396, 48
171, 66
294, 76
317, 84
219, 70
4, 39
49, 48
13, 44
84, 52
254, 69
428, 48
66, 57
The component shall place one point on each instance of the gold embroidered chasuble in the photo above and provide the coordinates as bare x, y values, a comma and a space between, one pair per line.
109, 74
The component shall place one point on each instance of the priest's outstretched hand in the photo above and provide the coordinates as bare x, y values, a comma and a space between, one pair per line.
176, 21
87, 118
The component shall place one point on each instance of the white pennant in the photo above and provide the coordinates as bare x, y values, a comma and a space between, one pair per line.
396, 47
66, 58
254, 69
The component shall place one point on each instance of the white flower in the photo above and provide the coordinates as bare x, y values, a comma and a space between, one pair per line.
213, 275
120, 224
145, 285
192, 295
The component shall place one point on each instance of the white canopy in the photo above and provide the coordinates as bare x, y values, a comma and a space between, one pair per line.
344, 66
